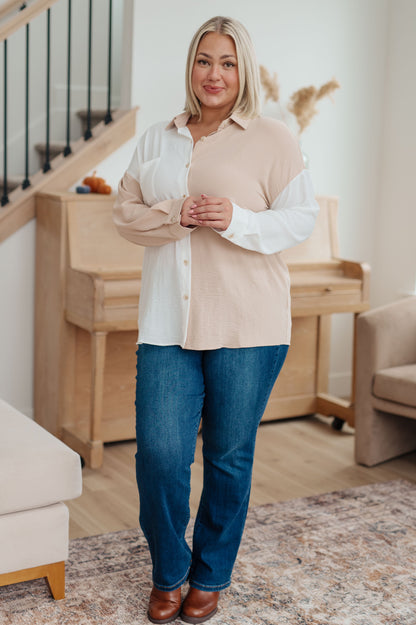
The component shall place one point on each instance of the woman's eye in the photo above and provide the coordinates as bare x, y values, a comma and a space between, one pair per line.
202, 62
229, 64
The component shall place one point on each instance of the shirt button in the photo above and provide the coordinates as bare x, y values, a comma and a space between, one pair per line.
184, 195
187, 165
202, 138
185, 262
186, 297
230, 236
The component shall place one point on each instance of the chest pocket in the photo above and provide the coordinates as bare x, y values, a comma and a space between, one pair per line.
148, 176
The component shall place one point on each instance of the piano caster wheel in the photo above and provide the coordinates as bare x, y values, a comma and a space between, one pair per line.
82, 462
337, 424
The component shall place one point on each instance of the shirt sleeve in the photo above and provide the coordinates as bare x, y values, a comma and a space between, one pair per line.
289, 220
142, 224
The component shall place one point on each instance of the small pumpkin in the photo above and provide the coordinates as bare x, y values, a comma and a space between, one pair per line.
93, 181
103, 188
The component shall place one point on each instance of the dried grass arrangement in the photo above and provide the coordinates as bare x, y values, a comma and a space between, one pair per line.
269, 84
302, 103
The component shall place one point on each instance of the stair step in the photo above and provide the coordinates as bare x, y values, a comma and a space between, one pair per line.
57, 147
12, 183
97, 116
54, 150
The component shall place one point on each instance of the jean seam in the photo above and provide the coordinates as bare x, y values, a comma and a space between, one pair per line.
211, 586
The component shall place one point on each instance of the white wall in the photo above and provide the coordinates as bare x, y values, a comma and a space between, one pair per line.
394, 266
17, 278
305, 43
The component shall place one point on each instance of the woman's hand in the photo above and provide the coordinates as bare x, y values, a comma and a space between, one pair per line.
212, 212
188, 220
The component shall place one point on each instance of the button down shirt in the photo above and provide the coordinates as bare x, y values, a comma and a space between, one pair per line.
202, 288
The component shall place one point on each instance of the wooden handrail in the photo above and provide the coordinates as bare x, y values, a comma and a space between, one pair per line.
8, 6
23, 17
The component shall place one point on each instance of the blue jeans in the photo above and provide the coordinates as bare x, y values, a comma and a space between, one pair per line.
229, 389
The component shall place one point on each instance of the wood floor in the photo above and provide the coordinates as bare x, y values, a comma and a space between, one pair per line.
294, 458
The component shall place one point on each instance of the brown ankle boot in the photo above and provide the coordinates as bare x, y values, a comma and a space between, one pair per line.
199, 605
164, 607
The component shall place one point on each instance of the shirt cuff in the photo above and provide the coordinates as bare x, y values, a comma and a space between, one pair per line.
174, 218
238, 224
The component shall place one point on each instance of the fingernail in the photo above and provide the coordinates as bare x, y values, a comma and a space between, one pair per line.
203, 195
193, 206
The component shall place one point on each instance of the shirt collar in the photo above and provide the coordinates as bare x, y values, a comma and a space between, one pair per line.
181, 120
243, 122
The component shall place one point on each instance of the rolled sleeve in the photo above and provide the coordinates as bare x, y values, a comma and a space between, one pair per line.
146, 225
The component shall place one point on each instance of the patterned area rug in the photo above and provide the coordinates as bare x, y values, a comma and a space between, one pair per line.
343, 558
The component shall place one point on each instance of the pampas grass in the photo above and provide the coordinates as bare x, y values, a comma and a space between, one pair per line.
303, 102
269, 84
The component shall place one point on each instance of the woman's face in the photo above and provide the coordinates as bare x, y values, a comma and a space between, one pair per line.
215, 73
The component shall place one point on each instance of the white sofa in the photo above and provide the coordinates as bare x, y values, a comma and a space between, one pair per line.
37, 473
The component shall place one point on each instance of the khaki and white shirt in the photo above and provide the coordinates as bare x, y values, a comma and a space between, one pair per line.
201, 288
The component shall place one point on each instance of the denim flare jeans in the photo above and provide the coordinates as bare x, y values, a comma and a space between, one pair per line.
229, 389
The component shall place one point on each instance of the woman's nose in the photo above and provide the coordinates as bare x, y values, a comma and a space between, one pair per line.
214, 72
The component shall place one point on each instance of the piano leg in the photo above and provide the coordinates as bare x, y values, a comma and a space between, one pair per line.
98, 346
341, 409
95, 417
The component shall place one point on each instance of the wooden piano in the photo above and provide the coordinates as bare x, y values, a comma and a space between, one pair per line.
87, 291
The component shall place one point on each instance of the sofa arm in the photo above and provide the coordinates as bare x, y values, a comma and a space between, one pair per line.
387, 335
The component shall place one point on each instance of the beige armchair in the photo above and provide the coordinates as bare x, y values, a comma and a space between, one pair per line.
385, 409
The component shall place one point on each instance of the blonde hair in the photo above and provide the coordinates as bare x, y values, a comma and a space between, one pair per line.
247, 103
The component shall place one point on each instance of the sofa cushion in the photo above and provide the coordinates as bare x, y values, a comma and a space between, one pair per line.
36, 469
396, 384
33, 538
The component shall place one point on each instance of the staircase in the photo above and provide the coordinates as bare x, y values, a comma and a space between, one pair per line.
64, 160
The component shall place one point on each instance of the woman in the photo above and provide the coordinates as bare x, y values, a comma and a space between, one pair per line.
214, 196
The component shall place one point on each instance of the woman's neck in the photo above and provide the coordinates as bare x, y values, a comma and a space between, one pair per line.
210, 118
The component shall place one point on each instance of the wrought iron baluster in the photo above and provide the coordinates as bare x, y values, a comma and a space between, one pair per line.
26, 181
5, 197
88, 133
108, 117
47, 165
67, 149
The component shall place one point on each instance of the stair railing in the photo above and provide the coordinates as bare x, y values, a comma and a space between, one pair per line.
15, 15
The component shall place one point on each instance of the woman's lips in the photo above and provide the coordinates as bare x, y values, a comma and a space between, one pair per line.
212, 89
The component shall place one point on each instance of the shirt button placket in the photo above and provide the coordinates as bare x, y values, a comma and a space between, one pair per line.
187, 165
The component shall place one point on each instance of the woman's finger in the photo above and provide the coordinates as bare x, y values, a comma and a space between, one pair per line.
205, 199
208, 216
207, 208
